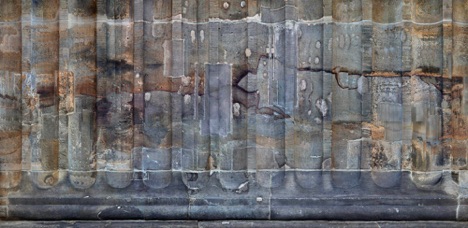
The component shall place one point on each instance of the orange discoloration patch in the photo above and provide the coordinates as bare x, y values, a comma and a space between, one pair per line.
65, 90
86, 86
377, 132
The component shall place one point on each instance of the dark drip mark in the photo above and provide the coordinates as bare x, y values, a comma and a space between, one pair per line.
8, 97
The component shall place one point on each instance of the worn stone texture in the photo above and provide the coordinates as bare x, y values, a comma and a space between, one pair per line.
234, 109
231, 223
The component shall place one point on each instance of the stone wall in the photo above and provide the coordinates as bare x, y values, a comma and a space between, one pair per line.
230, 109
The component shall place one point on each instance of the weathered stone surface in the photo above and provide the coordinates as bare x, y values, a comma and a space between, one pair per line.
232, 223
230, 109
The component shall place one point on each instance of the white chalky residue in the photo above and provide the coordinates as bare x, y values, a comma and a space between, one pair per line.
303, 85
187, 99
194, 37
185, 81
236, 109
243, 187
248, 53
177, 17
317, 60
226, 5
329, 97
318, 45
341, 41
359, 85
322, 106
147, 96
202, 36
318, 120
347, 41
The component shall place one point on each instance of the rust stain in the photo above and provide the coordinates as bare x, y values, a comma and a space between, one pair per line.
377, 132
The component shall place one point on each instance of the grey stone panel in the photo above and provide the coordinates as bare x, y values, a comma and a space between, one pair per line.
346, 131
309, 10
270, 151
392, 13
218, 91
347, 11
158, 139
427, 49
310, 46
387, 48
347, 47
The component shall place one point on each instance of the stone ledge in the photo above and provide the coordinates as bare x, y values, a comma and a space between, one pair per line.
231, 223
213, 202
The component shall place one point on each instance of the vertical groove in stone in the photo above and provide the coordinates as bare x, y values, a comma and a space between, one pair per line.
10, 94
138, 93
245, 110
187, 154
158, 78
44, 63
325, 103
183, 157
271, 106
232, 158
426, 99
210, 117
288, 94
386, 149
310, 107
27, 91
246, 113
406, 66
81, 116
459, 91
195, 153
65, 86
346, 100
115, 90
157, 156
446, 84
